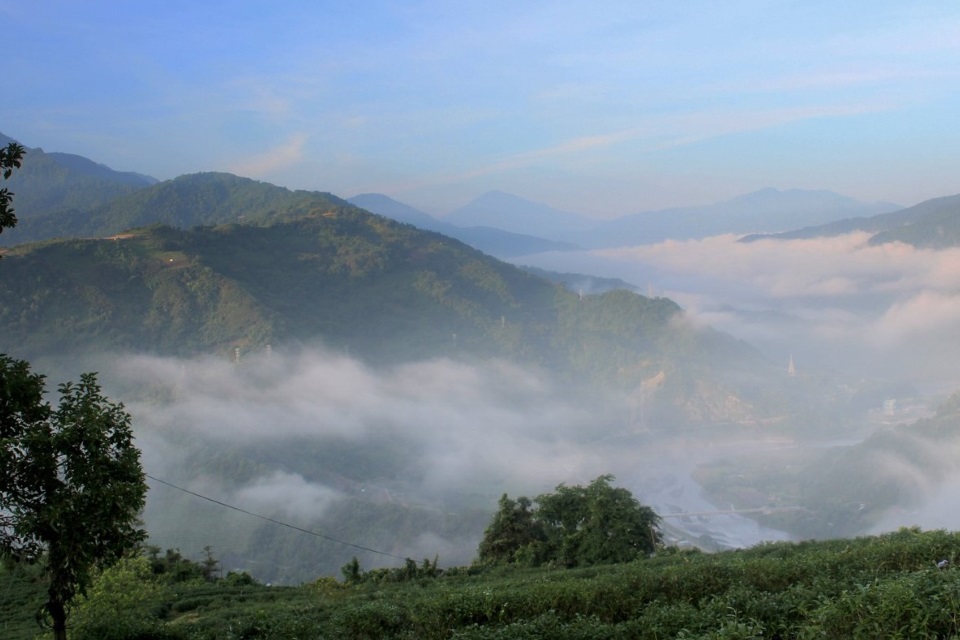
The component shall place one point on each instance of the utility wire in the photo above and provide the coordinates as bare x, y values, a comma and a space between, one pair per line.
282, 524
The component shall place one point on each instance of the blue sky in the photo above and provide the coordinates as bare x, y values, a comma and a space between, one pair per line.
603, 108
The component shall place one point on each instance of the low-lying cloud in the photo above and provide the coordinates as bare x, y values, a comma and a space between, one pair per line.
837, 302
300, 497
450, 435
448, 429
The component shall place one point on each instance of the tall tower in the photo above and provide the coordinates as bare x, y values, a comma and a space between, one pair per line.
791, 370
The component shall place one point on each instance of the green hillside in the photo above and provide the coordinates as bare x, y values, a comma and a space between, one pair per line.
52, 187
900, 585
185, 202
321, 269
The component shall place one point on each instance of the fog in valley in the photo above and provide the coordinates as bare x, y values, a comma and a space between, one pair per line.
835, 304
479, 320
448, 437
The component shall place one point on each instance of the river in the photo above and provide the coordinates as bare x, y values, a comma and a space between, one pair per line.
662, 478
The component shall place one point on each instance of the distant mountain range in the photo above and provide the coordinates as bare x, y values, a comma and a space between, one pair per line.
932, 224
796, 213
764, 210
517, 215
65, 195
495, 241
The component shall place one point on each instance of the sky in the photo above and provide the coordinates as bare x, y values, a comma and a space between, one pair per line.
604, 108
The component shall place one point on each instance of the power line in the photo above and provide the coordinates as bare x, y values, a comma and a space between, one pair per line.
282, 524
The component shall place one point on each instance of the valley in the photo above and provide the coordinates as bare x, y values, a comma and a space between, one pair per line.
312, 362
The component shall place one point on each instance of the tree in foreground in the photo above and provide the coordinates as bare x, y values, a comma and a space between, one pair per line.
10, 158
512, 534
574, 526
71, 483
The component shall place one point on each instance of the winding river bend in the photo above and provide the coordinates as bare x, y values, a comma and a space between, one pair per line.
663, 479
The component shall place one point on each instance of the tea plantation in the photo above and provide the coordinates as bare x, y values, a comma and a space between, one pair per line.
904, 584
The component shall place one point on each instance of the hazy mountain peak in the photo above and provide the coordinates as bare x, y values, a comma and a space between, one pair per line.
386, 206
495, 196
497, 242
513, 213
793, 198
767, 210
378, 198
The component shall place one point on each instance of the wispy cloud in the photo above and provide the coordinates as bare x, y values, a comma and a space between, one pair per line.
655, 134
839, 300
302, 500
264, 98
924, 314
280, 157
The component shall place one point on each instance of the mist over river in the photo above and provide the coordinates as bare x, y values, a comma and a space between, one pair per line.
663, 479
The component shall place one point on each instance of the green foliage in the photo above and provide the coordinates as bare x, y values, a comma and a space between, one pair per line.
512, 533
10, 159
574, 526
71, 484
878, 587
172, 567
22, 595
410, 571
124, 601
351, 571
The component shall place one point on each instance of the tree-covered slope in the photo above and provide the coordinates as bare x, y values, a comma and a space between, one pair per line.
185, 202
51, 184
324, 270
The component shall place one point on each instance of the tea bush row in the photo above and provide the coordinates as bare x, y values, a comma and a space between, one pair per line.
888, 586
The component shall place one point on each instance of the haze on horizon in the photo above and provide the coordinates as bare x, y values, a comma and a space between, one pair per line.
604, 110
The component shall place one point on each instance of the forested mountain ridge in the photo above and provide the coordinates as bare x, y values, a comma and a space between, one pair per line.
327, 271
187, 201
56, 183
